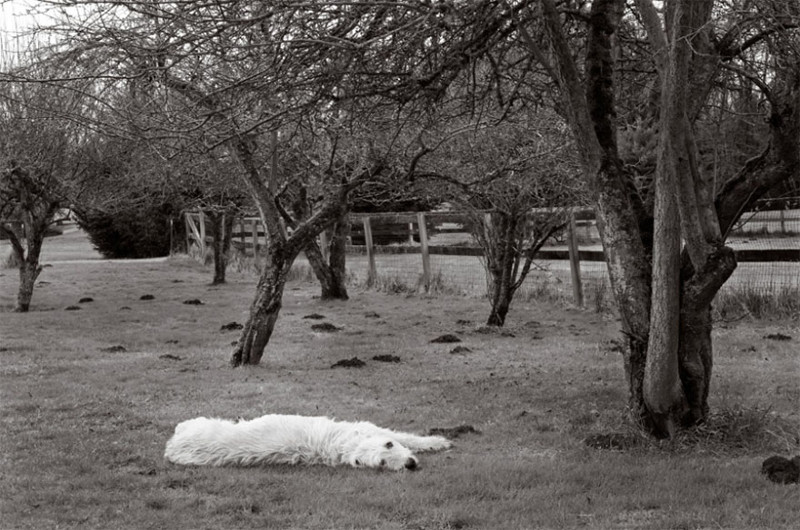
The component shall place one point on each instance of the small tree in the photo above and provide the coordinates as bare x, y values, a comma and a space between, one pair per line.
40, 168
516, 187
208, 181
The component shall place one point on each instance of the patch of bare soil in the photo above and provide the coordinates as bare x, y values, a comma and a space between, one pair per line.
782, 470
354, 362
453, 432
446, 339
325, 327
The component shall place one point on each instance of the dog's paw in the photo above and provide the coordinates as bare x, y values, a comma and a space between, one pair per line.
437, 443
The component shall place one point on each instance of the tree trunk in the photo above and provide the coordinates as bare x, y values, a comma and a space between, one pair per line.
28, 272
501, 252
696, 360
663, 395
332, 275
337, 256
27, 256
265, 307
506, 246
221, 225
501, 303
695, 353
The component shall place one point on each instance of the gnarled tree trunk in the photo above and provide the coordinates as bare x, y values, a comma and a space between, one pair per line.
500, 239
332, 275
266, 305
27, 255
509, 240
29, 270
221, 228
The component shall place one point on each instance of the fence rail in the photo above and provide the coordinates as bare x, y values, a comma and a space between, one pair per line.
767, 246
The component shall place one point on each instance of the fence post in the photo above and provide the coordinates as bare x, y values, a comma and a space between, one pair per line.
202, 228
323, 243
426, 258
372, 273
188, 224
254, 230
574, 261
487, 226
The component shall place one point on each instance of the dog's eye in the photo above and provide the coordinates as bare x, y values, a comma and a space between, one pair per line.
389, 445
383, 463
358, 462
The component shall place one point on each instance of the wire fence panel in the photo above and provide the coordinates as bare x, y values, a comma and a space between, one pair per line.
767, 244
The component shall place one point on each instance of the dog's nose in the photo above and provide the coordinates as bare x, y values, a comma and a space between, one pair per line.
411, 464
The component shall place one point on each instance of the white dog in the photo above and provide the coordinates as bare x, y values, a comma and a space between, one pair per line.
284, 439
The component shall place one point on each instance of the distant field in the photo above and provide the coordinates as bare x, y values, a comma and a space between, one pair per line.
89, 397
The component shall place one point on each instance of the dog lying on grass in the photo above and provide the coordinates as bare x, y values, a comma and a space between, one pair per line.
289, 439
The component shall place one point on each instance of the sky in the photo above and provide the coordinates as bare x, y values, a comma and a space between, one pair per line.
16, 21
13, 15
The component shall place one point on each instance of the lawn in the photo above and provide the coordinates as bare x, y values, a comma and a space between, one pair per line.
89, 397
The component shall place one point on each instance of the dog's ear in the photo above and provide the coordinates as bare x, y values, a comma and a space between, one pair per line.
388, 445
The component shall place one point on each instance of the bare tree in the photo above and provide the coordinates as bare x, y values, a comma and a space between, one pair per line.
40, 170
664, 291
516, 179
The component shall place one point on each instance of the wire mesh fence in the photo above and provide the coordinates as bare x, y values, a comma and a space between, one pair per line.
767, 245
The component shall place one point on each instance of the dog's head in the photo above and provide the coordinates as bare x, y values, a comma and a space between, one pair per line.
381, 452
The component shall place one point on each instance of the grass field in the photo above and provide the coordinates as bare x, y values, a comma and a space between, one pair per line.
90, 396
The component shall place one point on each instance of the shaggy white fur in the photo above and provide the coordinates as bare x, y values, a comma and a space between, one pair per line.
287, 439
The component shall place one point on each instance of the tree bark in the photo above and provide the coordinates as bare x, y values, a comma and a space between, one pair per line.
28, 272
695, 353
501, 303
31, 231
501, 254
661, 385
265, 307
332, 276
221, 228
337, 256
663, 396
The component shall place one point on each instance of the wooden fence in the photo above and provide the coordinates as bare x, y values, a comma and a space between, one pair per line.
418, 233
248, 235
